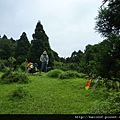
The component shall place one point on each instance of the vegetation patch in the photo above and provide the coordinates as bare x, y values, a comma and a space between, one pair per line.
14, 77
69, 74
45, 95
2, 66
57, 73
54, 73
110, 106
19, 93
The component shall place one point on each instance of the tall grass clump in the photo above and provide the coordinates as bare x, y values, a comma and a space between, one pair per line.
54, 73
13, 77
82, 75
110, 106
57, 73
17, 94
2, 66
71, 74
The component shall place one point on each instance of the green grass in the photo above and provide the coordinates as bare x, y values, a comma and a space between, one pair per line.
49, 96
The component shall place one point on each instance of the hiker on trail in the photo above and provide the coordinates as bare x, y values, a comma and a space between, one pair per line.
35, 67
29, 67
44, 58
32, 67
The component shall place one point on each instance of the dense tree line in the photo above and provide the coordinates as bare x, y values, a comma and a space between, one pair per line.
102, 59
25, 51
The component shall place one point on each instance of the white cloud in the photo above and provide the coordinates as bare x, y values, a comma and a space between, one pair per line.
68, 23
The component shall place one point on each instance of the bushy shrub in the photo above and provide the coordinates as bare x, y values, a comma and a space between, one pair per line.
110, 106
57, 73
7, 73
66, 66
17, 94
82, 75
23, 66
59, 65
69, 74
64, 75
13, 77
2, 66
54, 73
114, 98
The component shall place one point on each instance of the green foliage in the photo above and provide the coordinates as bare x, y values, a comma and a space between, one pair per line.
2, 66
59, 65
107, 24
19, 93
65, 97
22, 48
75, 57
13, 77
64, 75
69, 74
94, 59
107, 21
23, 66
111, 85
11, 61
72, 74
66, 66
7, 48
88, 62
83, 75
55, 73
110, 106
39, 44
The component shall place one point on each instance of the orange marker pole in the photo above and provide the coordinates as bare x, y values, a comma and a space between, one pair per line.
88, 84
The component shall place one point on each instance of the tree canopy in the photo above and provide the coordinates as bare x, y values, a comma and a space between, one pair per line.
108, 19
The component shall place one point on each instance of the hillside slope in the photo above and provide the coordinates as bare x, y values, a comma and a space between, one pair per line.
49, 96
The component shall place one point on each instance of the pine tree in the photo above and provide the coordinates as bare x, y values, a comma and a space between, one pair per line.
7, 47
39, 44
22, 48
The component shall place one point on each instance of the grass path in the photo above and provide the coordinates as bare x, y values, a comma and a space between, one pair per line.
49, 96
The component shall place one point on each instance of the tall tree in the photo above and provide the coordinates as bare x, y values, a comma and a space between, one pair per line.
76, 56
22, 48
7, 47
108, 19
108, 25
40, 43
86, 63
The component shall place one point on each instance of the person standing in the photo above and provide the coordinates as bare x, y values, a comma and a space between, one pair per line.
44, 58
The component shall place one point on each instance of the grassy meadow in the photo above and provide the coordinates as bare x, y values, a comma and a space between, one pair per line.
45, 95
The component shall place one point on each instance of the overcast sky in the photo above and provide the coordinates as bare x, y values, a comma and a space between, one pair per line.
69, 24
